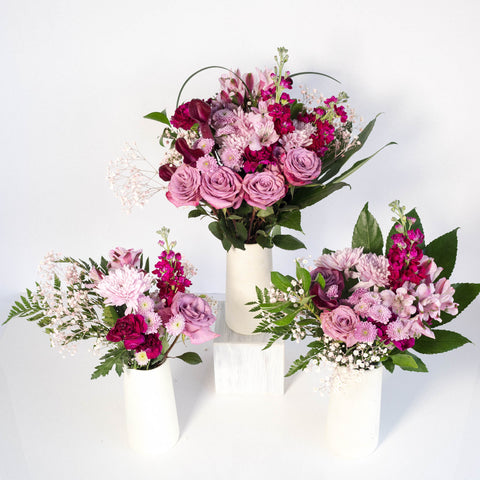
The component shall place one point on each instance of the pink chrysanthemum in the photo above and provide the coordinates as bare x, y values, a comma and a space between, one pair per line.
153, 320
365, 332
372, 271
398, 330
176, 325
341, 259
379, 313
124, 286
205, 145
145, 304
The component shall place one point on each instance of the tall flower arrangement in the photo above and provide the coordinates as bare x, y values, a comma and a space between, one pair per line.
251, 157
363, 309
137, 316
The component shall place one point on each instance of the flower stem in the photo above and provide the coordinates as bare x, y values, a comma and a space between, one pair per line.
171, 346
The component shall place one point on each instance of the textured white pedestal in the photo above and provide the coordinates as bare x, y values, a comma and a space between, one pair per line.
241, 366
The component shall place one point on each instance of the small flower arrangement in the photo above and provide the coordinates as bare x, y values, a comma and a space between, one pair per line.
136, 315
363, 309
251, 157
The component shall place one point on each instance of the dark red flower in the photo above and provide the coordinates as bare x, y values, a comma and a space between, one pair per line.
329, 296
190, 155
152, 346
166, 171
130, 329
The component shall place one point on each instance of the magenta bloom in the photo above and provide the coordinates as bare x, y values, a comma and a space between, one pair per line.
197, 314
121, 256
181, 118
152, 346
184, 185
341, 324
263, 189
301, 166
130, 329
222, 188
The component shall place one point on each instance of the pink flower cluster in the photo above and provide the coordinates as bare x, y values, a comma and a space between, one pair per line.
252, 147
394, 299
149, 313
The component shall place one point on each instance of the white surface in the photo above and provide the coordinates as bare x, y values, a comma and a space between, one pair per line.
246, 269
240, 364
56, 423
353, 415
150, 410
77, 78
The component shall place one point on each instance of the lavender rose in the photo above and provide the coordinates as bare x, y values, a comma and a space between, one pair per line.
184, 185
340, 324
301, 166
197, 315
221, 188
263, 189
327, 297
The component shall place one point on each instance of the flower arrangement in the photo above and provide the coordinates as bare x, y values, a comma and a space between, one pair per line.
363, 309
251, 157
136, 315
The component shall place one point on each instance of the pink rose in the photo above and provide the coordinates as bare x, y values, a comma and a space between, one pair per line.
263, 189
184, 185
301, 166
221, 188
197, 314
121, 256
340, 324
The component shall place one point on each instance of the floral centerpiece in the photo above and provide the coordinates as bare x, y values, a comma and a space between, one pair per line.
136, 315
363, 308
251, 157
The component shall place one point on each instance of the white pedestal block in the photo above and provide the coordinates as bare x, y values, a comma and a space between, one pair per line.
241, 366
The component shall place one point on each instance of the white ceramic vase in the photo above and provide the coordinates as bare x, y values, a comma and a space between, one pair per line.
151, 412
353, 418
245, 270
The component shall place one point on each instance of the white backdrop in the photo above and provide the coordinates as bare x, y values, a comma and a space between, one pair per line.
77, 77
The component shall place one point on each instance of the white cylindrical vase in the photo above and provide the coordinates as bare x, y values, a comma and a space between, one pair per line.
245, 270
353, 418
150, 408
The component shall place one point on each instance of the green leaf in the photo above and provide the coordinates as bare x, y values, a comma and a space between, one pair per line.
287, 319
265, 213
444, 341
226, 244
275, 307
159, 117
359, 164
320, 280
214, 227
421, 367
304, 276
263, 239
444, 251
287, 242
281, 281
195, 213
306, 196
465, 294
367, 233
110, 315
404, 360
241, 231
290, 219
300, 363
388, 364
191, 358
340, 162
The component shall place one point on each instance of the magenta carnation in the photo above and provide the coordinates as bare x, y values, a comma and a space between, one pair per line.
130, 329
301, 166
184, 185
221, 188
263, 189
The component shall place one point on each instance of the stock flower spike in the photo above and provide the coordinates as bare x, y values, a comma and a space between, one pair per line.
365, 306
135, 315
251, 156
